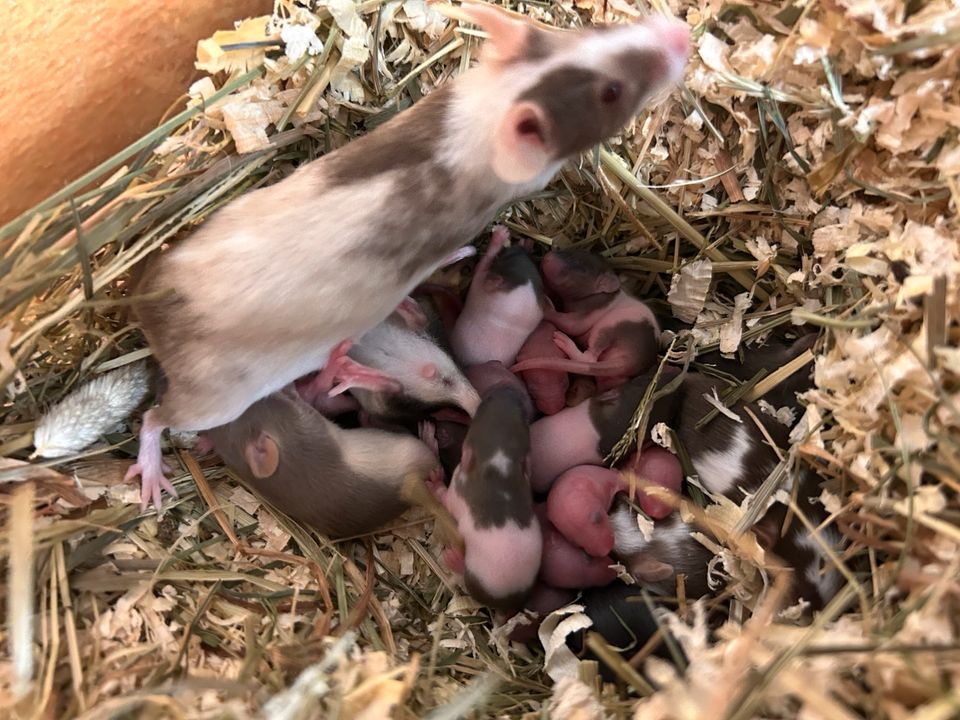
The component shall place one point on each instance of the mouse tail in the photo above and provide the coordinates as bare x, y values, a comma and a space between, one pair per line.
577, 367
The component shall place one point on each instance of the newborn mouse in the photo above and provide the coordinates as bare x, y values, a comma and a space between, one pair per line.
620, 334
564, 565
580, 499
656, 561
426, 377
340, 482
504, 304
548, 388
585, 434
490, 499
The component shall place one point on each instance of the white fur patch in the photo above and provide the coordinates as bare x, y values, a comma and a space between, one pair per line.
627, 538
721, 470
828, 582
502, 462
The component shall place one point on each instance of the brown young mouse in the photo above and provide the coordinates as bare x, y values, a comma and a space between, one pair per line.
340, 482
325, 254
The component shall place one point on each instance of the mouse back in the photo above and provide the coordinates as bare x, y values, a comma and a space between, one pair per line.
493, 477
314, 478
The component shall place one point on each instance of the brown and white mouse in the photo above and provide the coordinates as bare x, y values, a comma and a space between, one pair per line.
328, 252
504, 305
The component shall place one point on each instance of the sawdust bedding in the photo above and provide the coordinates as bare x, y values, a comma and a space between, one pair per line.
806, 174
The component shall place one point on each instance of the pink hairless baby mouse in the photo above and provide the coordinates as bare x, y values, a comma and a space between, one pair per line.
548, 388
580, 499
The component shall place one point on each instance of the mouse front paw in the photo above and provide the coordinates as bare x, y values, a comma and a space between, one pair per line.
152, 483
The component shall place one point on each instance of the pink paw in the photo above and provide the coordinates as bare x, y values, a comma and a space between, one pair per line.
204, 446
566, 345
351, 374
152, 484
499, 238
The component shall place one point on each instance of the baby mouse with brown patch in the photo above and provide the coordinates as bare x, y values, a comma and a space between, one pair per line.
328, 252
504, 305
340, 482
619, 334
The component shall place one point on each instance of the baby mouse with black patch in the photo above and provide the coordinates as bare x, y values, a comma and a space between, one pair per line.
619, 333
491, 500
328, 252
504, 305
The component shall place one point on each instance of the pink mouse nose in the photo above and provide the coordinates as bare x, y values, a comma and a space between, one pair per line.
675, 35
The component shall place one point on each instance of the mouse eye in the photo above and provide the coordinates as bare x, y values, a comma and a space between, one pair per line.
611, 92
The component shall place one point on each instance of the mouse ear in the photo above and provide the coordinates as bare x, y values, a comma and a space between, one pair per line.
608, 282
262, 456
507, 32
428, 371
521, 148
648, 569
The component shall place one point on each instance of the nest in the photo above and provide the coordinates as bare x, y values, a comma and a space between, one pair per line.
805, 174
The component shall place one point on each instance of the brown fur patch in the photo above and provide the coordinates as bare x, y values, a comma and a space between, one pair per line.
405, 141
571, 99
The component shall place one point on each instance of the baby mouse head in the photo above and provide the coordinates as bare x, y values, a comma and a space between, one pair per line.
568, 90
573, 274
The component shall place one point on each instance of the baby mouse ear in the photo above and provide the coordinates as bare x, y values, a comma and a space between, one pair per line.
608, 282
521, 147
648, 569
262, 456
508, 33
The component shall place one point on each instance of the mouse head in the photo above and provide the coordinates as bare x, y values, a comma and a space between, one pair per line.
512, 268
439, 382
576, 274
568, 90
591, 527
